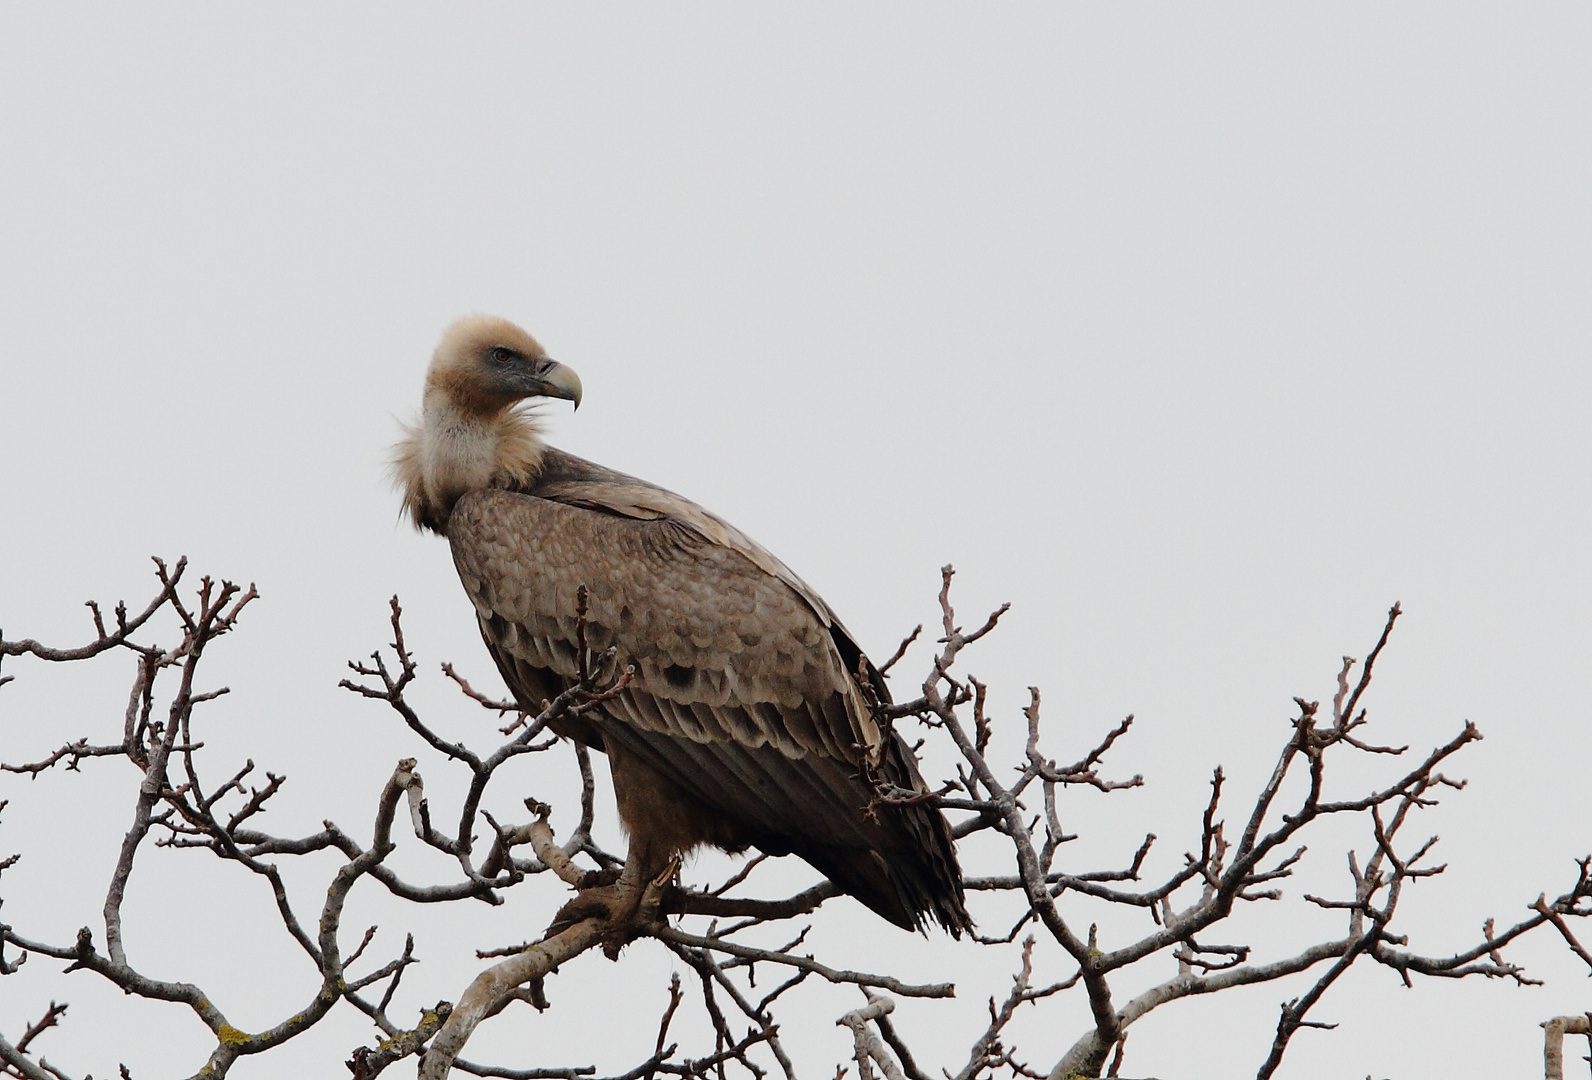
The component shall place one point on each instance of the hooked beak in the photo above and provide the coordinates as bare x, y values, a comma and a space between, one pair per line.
560, 381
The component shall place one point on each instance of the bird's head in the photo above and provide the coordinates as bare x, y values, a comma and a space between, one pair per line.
484, 364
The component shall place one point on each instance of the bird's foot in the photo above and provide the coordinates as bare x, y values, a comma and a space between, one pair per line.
629, 906
599, 902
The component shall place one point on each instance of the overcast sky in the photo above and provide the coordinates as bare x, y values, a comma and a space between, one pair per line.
1200, 333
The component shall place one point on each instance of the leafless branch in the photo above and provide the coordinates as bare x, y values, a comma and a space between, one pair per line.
1017, 808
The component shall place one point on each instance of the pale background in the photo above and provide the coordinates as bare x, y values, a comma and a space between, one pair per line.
1200, 333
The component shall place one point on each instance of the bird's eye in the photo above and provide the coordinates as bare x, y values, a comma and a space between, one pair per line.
501, 356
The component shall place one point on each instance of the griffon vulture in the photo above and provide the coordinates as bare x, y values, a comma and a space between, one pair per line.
745, 724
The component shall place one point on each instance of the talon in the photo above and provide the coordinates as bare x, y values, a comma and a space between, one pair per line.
668, 873
626, 909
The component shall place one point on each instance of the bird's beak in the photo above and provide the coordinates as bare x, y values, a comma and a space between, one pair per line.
561, 382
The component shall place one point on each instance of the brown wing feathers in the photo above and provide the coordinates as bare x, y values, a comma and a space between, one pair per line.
743, 698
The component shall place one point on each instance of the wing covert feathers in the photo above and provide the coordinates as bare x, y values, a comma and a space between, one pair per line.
741, 698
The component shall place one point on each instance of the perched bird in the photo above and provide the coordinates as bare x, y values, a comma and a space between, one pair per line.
746, 722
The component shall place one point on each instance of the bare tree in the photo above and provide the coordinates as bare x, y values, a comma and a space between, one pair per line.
723, 938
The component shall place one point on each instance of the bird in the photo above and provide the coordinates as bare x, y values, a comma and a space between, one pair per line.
751, 716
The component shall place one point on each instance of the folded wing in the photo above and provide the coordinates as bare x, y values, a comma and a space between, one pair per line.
744, 696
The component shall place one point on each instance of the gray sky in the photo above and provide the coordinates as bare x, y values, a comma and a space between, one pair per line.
1201, 334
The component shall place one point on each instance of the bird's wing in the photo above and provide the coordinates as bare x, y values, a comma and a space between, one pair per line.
725, 651
577, 482
742, 694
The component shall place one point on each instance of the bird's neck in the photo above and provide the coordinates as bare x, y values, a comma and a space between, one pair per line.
453, 452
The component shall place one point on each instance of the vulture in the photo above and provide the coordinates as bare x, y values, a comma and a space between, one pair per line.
747, 720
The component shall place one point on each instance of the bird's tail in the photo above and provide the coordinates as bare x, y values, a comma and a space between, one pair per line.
909, 886
913, 876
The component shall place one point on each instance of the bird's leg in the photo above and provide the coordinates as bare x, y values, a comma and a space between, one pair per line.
638, 897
